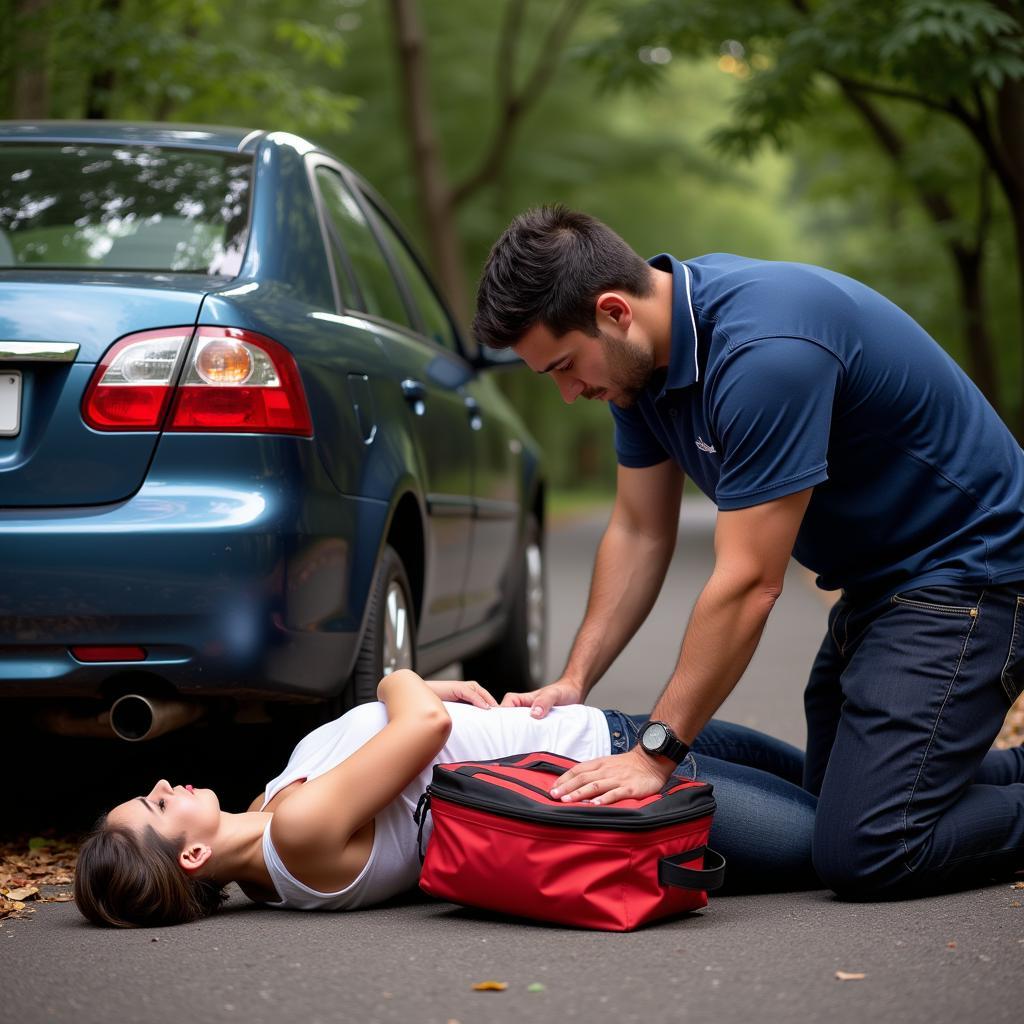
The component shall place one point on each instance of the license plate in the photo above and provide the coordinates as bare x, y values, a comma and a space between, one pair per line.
10, 402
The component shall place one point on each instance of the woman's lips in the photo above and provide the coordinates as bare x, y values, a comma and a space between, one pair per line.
189, 789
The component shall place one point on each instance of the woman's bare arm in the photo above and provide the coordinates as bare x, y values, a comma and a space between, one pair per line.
314, 824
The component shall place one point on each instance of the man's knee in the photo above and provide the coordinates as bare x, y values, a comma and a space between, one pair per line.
857, 869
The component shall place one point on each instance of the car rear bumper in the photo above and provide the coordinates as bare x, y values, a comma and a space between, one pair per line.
246, 585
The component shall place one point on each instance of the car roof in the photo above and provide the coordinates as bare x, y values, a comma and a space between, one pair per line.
185, 135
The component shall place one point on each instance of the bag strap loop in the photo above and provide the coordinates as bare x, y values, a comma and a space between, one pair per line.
420, 817
711, 876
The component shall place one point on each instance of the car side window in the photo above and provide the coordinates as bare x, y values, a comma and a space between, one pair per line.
381, 296
436, 323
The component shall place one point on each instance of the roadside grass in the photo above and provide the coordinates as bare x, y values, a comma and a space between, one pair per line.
565, 506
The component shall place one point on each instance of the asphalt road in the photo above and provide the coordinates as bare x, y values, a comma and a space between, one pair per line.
764, 958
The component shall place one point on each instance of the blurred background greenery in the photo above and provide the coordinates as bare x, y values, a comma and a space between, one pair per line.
881, 138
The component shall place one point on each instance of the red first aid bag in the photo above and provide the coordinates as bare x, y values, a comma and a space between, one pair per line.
501, 842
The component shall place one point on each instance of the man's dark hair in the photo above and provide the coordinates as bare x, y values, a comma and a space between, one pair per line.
548, 267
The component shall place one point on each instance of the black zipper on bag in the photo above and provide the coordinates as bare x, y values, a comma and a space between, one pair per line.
572, 819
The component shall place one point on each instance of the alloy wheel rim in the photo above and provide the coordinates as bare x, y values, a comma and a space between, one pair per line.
397, 647
535, 617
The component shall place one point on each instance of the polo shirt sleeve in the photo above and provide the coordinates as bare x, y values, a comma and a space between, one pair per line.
636, 446
771, 412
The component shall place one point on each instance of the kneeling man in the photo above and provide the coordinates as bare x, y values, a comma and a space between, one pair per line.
825, 424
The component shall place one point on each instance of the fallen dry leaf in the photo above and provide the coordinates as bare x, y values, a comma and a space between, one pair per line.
60, 897
1014, 903
13, 909
1017, 885
24, 893
1012, 734
490, 986
848, 976
37, 861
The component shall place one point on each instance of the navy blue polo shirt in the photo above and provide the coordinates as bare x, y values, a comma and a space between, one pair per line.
784, 376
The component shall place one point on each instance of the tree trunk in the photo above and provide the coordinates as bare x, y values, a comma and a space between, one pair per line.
1010, 122
435, 196
31, 94
967, 259
102, 80
968, 265
1017, 212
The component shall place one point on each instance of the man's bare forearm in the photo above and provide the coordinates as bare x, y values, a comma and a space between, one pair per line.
628, 574
720, 640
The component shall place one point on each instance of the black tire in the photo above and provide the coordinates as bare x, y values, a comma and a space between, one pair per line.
512, 664
370, 665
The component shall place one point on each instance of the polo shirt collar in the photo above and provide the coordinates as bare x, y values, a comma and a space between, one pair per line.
682, 361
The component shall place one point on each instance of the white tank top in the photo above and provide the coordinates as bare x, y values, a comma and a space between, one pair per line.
576, 731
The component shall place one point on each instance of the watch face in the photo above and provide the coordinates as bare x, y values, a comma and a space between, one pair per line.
654, 736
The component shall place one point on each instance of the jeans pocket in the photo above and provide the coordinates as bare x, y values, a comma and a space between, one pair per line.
1012, 676
940, 600
687, 768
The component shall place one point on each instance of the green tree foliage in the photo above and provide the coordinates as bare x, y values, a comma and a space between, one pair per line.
184, 60
937, 86
823, 190
639, 162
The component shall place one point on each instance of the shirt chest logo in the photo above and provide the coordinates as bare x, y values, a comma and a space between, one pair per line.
705, 447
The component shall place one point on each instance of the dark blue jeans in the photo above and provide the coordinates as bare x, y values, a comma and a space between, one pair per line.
904, 700
764, 824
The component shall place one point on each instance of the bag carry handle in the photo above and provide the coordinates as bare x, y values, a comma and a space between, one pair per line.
544, 766
711, 876
556, 769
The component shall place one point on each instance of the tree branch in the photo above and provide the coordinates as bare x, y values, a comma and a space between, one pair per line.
984, 209
514, 104
938, 206
893, 92
977, 124
966, 257
432, 186
508, 50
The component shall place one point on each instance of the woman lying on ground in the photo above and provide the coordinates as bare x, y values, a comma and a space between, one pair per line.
334, 831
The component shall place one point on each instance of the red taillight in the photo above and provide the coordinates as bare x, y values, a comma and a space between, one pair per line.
132, 385
240, 381
91, 652
235, 380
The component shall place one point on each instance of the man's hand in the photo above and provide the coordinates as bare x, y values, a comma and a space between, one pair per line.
541, 701
468, 692
633, 774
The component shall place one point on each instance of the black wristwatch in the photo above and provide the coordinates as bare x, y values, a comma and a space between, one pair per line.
656, 738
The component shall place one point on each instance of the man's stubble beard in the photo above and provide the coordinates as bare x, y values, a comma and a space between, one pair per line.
629, 368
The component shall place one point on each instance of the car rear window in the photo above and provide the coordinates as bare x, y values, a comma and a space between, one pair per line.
123, 208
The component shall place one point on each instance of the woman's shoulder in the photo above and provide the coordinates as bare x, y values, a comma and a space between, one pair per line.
316, 747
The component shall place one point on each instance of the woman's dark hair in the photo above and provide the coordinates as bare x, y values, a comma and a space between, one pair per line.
547, 268
130, 880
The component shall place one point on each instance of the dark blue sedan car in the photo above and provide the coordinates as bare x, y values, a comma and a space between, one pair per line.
246, 456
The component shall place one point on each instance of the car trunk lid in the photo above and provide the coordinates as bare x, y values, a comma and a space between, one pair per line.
49, 457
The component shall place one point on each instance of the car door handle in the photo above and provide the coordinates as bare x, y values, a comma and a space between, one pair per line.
415, 393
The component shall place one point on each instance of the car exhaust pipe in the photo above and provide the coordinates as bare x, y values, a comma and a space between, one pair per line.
134, 717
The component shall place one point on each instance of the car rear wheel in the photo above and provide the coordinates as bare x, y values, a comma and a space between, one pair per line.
517, 662
389, 642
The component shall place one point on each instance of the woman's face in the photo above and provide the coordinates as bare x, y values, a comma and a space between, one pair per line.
173, 811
